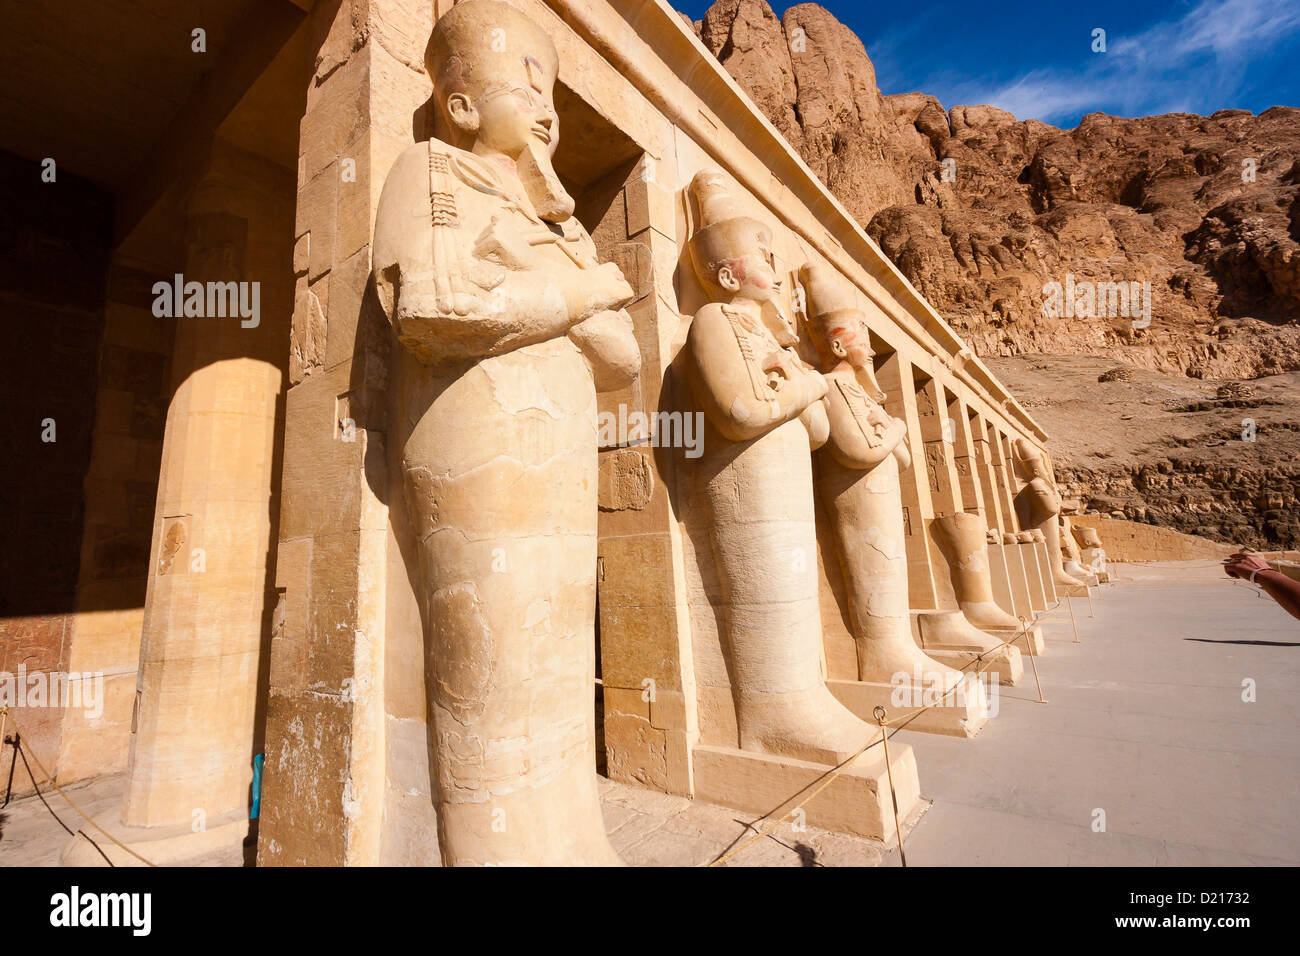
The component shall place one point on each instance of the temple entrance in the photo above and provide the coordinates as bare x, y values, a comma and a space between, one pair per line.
595, 160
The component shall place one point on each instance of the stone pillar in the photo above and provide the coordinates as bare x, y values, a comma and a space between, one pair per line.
647, 671
210, 600
966, 459
1004, 477
894, 373
938, 432
986, 475
347, 697
930, 489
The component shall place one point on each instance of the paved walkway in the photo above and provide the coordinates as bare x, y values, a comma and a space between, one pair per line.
1145, 723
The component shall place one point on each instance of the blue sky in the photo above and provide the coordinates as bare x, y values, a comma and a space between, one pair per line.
1036, 59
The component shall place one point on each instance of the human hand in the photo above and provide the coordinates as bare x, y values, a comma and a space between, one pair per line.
1240, 565
816, 383
877, 415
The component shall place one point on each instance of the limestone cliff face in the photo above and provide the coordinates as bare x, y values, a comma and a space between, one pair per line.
982, 211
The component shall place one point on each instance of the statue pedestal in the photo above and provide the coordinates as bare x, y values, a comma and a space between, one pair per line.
1050, 589
962, 713
1040, 595
160, 845
856, 802
1095, 558
1009, 593
1035, 632
947, 637
1017, 637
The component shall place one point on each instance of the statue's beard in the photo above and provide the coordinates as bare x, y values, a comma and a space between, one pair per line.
537, 176
866, 376
778, 323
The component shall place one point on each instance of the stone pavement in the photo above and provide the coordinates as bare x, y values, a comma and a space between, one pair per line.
647, 829
1145, 722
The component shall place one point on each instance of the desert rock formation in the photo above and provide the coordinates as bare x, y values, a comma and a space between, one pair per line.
981, 211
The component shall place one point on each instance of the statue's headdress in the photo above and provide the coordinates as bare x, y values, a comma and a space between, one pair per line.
478, 41
723, 233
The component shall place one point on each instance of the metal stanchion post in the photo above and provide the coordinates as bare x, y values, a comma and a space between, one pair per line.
880, 714
1033, 659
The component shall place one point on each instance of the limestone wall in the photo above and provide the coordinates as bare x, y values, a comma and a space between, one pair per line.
1132, 541
71, 380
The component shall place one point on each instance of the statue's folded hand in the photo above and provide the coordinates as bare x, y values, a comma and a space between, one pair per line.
597, 290
609, 344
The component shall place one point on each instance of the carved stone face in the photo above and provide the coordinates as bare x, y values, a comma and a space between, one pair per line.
752, 275
509, 117
848, 340
843, 336
1031, 462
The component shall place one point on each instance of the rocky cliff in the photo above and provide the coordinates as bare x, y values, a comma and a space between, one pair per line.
1167, 246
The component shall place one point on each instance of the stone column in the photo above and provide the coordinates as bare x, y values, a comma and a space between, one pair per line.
967, 460
209, 599
894, 373
1004, 477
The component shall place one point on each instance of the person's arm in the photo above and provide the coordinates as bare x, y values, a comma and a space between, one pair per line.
815, 420
1282, 589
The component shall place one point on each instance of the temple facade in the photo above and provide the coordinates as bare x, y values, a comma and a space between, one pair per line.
420, 476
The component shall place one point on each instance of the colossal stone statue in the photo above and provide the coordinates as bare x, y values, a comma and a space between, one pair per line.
1091, 554
510, 325
1038, 506
1071, 555
757, 480
857, 478
964, 539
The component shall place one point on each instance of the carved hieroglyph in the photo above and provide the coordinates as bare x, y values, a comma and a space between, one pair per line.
1038, 506
492, 285
757, 479
857, 478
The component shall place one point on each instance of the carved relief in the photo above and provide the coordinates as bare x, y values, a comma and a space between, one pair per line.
172, 555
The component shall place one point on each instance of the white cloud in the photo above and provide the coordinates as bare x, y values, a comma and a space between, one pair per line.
1193, 64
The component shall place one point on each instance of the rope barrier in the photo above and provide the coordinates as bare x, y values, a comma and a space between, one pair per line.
880, 714
18, 750
835, 772
72, 803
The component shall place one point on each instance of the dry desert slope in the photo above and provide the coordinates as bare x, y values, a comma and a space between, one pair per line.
1198, 217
